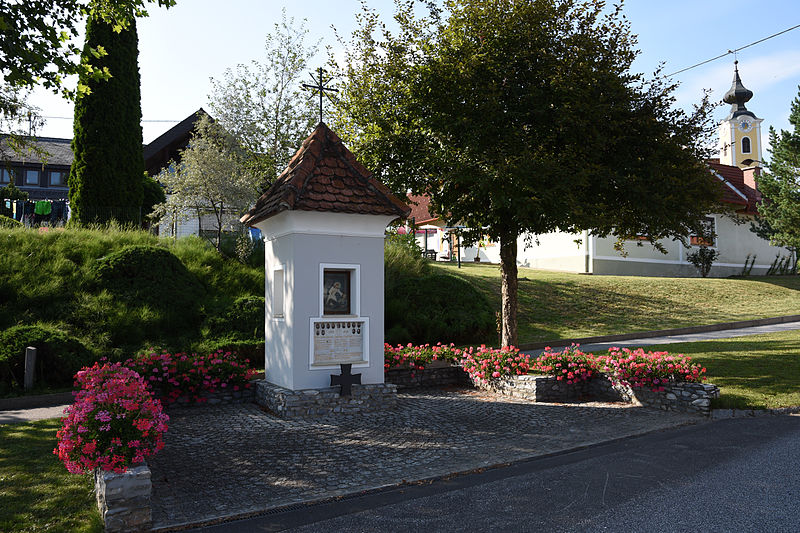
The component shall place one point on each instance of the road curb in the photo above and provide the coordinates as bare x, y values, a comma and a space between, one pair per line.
720, 414
662, 332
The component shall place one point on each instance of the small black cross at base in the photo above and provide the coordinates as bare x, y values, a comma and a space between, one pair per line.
346, 379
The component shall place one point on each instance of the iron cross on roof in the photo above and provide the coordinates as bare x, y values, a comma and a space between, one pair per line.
320, 88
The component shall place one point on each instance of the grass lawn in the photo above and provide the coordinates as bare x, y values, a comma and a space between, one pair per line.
558, 305
753, 372
36, 491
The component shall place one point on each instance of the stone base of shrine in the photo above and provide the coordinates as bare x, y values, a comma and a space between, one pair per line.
287, 403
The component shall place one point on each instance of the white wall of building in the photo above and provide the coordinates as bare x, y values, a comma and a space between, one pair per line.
299, 242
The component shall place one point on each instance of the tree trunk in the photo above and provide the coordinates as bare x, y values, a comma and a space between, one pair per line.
508, 269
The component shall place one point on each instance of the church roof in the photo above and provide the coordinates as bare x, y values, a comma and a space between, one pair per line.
735, 191
737, 95
324, 176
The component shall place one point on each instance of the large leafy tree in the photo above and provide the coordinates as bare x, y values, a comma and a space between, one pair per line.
213, 176
780, 187
36, 48
522, 116
262, 103
105, 181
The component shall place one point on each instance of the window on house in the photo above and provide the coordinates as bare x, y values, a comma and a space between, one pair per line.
6, 175
745, 145
708, 236
57, 178
31, 177
277, 292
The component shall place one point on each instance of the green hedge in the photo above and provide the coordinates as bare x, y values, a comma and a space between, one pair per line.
244, 319
59, 356
155, 286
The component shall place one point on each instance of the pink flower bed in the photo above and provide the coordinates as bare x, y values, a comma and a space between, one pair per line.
114, 422
416, 357
635, 368
173, 376
483, 363
570, 365
638, 368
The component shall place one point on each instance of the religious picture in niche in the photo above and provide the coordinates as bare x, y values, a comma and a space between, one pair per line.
336, 292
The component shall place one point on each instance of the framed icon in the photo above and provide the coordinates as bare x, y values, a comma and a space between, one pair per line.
336, 292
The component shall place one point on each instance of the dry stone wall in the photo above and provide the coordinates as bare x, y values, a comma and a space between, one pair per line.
287, 403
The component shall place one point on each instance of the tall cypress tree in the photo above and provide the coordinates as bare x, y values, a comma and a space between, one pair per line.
105, 181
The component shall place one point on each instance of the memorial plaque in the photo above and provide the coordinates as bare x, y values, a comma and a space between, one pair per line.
338, 342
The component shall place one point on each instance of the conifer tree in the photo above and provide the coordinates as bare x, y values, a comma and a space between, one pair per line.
105, 180
780, 187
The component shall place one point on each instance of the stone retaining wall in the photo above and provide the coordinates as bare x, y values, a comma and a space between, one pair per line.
124, 499
223, 396
682, 397
434, 375
287, 403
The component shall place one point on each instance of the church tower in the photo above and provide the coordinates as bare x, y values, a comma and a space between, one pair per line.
740, 132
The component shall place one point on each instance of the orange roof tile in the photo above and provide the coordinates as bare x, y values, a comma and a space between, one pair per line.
324, 176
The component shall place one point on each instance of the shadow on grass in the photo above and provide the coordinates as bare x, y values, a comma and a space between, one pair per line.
37, 492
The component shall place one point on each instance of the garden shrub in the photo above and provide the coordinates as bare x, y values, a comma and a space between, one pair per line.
58, 356
244, 319
153, 284
436, 308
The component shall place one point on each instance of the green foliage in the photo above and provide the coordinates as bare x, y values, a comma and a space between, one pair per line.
436, 308
421, 306
151, 281
6, 222
263, 105
244, 319
214, 177
152, 195
105, 181
523, 116
10, 192
52, 278
249, 349
58, 357
780, 187
702, 259
401, 260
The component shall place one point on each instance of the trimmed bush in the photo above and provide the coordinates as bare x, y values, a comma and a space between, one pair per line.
59, 356
244, 319
435, 308
157, 289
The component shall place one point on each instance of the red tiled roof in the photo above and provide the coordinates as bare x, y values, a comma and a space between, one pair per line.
324, 176
735, 190
421, 209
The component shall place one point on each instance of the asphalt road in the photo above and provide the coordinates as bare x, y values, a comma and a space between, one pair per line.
740, 474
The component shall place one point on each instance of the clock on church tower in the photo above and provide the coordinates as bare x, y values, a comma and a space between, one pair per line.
740, 132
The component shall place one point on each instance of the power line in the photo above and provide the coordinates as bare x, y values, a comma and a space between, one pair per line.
143, 120
729, 52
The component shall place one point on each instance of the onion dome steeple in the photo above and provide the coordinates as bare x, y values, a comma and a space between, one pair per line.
737, 95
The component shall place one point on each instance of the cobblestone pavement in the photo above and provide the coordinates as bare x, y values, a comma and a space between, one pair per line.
236, 459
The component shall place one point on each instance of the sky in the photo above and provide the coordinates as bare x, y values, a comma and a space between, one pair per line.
180, 49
